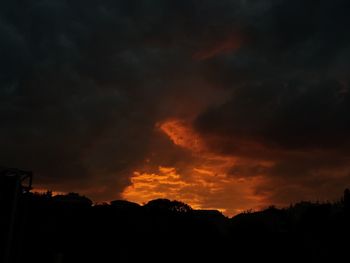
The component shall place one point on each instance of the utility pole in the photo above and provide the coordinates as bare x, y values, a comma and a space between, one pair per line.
11, 189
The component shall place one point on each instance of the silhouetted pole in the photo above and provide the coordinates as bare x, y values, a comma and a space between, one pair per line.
9, 247
15, 178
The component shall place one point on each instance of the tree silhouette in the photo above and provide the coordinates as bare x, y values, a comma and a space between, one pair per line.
167, 205
346, 199
123, 204
69, 229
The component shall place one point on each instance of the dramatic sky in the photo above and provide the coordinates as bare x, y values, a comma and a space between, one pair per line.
230, 104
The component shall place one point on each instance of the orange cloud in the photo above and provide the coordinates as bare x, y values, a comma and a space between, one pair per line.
203, 183
226, 46
200, 189
182, 135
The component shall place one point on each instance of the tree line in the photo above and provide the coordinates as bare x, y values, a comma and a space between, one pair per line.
70, 228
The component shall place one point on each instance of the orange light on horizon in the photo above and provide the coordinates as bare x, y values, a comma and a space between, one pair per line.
204, 183
44, 191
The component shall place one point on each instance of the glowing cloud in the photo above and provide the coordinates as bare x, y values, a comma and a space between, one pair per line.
203, 183
182, 135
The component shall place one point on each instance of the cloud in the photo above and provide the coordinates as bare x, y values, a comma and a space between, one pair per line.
200, 177
84, 86
289, 101
294, 114
226, 46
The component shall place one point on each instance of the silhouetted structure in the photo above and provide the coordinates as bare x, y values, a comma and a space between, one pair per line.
13, 183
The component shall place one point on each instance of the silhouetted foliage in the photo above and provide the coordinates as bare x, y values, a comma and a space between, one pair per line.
68, 228
167, 205
346, 200
123, 204
72, 199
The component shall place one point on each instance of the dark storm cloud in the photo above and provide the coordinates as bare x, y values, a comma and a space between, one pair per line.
290, 96
83, 83
76, 101
291, 115
290, 39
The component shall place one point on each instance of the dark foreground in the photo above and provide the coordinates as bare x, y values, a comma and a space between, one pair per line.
69, 229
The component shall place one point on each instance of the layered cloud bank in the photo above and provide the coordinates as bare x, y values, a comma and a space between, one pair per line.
223, 104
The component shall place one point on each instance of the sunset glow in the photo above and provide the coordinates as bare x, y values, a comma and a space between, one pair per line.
182, 135
229, 105
45, 191
204, 184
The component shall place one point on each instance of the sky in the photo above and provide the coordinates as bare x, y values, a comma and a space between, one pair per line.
230, 105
